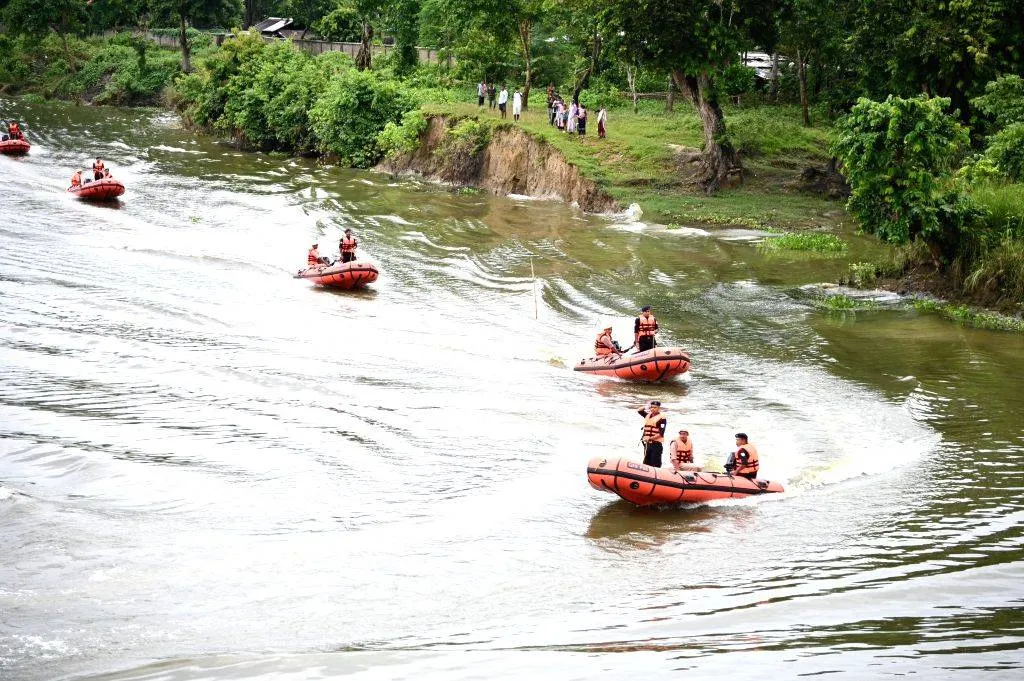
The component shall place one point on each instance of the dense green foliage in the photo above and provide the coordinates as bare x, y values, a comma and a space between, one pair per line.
897, 155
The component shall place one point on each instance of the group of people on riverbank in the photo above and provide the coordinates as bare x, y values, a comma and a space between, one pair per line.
569, 118
483, 89
743, 462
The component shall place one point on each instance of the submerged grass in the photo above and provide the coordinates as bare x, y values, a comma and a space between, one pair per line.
968, 316
816, 242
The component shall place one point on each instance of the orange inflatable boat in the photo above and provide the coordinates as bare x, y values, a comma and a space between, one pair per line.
649, 365
14, 147
98, 190
345, 276
648, 486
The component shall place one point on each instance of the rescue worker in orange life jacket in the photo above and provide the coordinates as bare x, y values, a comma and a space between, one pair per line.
347, 246
680, 452
653, 434
744, 461
15, 131
313, 259
76, 179
98, 169
644, 328
604, 345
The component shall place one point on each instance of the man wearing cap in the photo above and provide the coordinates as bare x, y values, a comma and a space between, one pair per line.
313, 259
744, 461
604, 345
653, 434
347, 245
644, 328
680, 452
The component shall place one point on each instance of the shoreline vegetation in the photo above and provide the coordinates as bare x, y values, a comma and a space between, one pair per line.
806, 153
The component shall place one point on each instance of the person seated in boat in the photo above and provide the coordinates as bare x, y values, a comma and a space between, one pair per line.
744, 461
680, 452
605, 345
76, 179
347, 246
644, 328
314, 259
653, 435
98, 169
14, 130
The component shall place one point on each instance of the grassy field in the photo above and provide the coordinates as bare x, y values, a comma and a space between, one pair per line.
637, 163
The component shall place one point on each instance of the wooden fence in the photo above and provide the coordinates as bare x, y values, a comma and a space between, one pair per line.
426, 55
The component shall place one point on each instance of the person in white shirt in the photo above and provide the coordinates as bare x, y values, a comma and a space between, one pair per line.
602, 119
481, 92
517, 105
503, 101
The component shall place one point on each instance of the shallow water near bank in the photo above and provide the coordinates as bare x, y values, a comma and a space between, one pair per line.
210, 470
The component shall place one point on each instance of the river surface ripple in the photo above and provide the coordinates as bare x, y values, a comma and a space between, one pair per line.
209, 470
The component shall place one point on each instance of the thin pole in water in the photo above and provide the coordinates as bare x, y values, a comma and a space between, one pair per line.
533, 276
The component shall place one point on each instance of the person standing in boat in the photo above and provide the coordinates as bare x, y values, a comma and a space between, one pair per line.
14, 130
98, 169
744, 462
680, 452
653, 434
347, 246
644, 328
604, 345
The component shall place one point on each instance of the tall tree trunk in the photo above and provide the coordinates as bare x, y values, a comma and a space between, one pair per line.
773, 88
250, 10
525, 31
592, 67
631, 82
721, 161
670, 98
801, 70
364, 56
186, 52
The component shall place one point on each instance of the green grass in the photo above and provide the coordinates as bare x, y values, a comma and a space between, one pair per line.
968, 316
636, 163
843, 303
815, 242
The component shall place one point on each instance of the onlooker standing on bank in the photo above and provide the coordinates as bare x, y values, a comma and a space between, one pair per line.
503, 101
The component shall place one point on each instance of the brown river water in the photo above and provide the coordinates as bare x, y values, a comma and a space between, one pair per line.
210, 470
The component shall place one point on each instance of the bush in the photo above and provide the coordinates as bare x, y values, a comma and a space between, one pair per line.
397, 139
353, 111
1006, 151
1003, 101
737, 79
897, 156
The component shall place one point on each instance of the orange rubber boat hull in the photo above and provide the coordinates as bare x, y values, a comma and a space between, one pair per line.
348, 276
14, 147
648, 486
649, 365
99, 190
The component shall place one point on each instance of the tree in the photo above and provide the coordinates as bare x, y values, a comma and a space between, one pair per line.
897, 156
808, 30
190, 12
403, 22
691, 40
39, 17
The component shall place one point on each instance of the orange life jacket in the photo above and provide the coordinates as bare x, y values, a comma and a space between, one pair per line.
314, 256
97, 167
648, 325
76, 179
348, 244
603, 345
684, 450
752, 464
14, 129
651, 432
